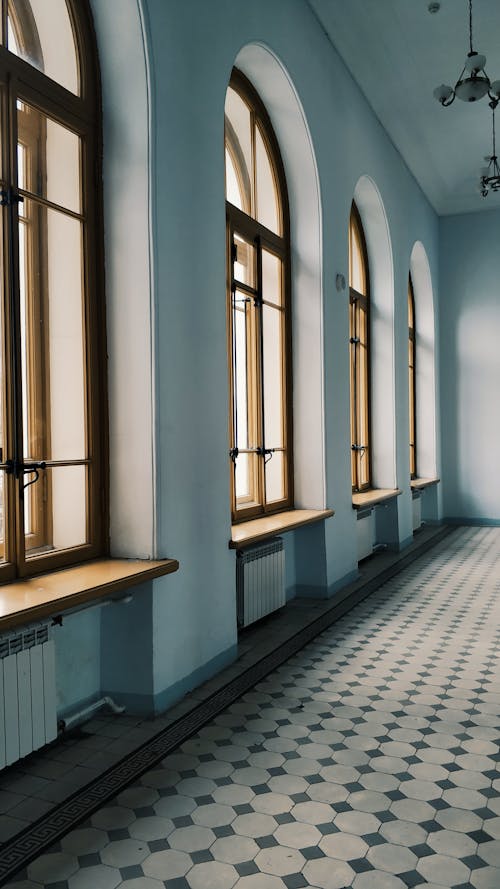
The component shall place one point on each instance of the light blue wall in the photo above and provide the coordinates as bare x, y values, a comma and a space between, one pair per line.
192, 48
470, 364
187, 620
78, 659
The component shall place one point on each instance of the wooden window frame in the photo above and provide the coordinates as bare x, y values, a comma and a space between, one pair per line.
81, 114
241, 223
412, 379
360, 385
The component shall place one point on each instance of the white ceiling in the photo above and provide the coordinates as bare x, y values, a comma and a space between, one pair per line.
398, 52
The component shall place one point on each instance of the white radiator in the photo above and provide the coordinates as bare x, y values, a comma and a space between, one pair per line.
365, 531
260, 581
28, 717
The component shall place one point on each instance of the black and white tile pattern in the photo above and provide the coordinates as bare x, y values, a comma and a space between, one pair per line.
369, 759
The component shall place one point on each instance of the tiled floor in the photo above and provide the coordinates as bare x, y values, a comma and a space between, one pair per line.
37, 785
370, 759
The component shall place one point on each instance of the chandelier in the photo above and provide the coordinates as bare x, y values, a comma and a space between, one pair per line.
490, 179
473, 82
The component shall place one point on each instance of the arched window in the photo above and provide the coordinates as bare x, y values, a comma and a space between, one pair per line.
258, 251
359, 339
412, 379
53, 503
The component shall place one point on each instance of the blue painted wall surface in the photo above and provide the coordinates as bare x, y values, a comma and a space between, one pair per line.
193, 45
78, 659
470, 364
190, 50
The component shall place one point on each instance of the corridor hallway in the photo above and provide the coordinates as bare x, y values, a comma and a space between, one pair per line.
369, 759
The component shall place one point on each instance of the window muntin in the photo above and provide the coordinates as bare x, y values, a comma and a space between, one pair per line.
412, 380
359, 349
258, 308
52, 386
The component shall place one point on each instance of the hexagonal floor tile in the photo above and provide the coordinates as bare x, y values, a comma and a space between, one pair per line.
123, 853
344, 846
280, 861
167, 865
234, 849
213, 815
99, 875
212, 875
84, 841
52, 868
297, 835
443, 870
392, 858
254, 825
327, 874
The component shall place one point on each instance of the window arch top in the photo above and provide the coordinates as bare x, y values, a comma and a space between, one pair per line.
254, 179
41, 32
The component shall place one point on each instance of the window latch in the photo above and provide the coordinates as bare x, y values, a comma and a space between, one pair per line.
265, 452
233, 453
9, 196
19, 468
354, 340
358, 447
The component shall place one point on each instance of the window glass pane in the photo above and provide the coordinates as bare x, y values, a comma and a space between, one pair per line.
246, 480
239, 144
242, 477
272, 290
50, 156
275, 478
3, 518
410, 310
240, 381
272, 320
244, 265
52, 333
267, 198
356, 260
40, 32
234, 192
3, 443
363, 468
362, 368
56, 510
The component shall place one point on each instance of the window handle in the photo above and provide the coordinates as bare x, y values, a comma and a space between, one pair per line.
358, 447
19, 468
9, 196
354, 340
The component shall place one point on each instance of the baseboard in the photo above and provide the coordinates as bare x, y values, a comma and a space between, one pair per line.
344, 581
404, 543
173, 694
488, 523
307, 591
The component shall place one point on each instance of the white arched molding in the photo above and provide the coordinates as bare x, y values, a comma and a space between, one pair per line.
425, 383
129, 291
383, 413
277, 92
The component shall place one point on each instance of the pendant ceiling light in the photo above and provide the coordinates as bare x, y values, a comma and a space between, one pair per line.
473, 82
490, 178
